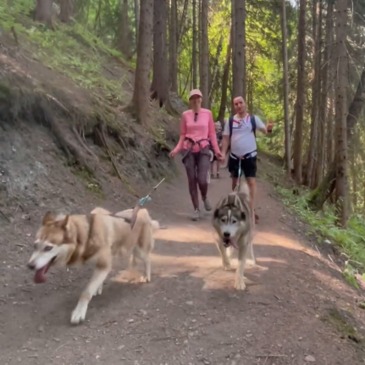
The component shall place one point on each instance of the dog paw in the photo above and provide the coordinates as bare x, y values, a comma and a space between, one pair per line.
227, 267
250, 262
78, 314
144, 279
240, 284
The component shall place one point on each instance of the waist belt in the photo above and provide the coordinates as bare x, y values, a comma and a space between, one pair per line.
196, 142
244, 157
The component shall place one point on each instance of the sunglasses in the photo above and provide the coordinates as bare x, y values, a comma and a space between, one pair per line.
239, 103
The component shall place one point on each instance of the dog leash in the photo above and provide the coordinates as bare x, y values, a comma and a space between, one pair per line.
237, 187
141, 202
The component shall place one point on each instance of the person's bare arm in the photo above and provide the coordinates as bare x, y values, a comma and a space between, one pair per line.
265, 129
225, 144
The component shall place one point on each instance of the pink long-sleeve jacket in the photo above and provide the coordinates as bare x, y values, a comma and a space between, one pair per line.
197, 126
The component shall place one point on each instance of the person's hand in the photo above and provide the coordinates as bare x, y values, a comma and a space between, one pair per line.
173, 153
219, 156
269, 127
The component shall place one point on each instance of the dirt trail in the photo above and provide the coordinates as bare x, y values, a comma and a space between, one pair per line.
190, 313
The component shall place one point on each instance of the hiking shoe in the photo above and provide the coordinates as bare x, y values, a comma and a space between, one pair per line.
207, 205
196, 215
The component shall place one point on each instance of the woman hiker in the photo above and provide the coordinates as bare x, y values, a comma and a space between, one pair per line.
196, 130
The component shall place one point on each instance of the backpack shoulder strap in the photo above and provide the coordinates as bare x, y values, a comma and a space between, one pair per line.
230, 121
253, 124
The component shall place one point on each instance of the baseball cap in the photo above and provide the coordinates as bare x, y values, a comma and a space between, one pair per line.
195, 92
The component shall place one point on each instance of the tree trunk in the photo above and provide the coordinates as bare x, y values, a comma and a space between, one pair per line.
159, 87
182, 26
325, 113
123, 42
204, 53
299, 106
215, 72
341, 113
173, 47
43, 12
314, 147
66, 10
136, 18
286, 87
97, 20
238, 48
354, 175
327, 186
222, 108
331, 94
140, 101
194, 50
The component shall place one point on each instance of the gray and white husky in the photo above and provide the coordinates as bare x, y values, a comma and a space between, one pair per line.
233, 222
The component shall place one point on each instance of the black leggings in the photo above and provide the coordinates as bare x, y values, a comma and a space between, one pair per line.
197, 166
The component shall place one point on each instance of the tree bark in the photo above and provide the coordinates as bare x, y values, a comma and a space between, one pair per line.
140, 100
238, 48
66, 10
194, 49
123, 42
327, 186
136, 17
314, 148
173, 47
341, 114
215, 72
159, 87
182, 22
329, 52
204, 53
286, 87
299, 106
223, 103
325, 100
43, 12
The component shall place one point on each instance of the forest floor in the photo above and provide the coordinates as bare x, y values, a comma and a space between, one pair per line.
297, 308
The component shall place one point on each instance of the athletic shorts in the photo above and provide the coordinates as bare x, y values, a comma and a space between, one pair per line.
248, 166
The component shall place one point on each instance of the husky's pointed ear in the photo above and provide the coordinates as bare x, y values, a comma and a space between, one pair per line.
216, 213
64, 222
48, 218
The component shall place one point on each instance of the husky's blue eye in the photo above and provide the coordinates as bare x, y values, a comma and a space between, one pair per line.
48, 248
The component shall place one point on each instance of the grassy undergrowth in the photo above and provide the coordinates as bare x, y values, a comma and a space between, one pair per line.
69, 49
322, 224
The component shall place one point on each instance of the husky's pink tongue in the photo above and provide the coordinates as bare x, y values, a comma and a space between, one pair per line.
40, 275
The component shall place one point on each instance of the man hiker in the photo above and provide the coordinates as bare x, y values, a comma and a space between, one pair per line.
240, 136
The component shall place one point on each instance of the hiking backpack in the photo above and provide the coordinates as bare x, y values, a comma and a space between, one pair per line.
253, 123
